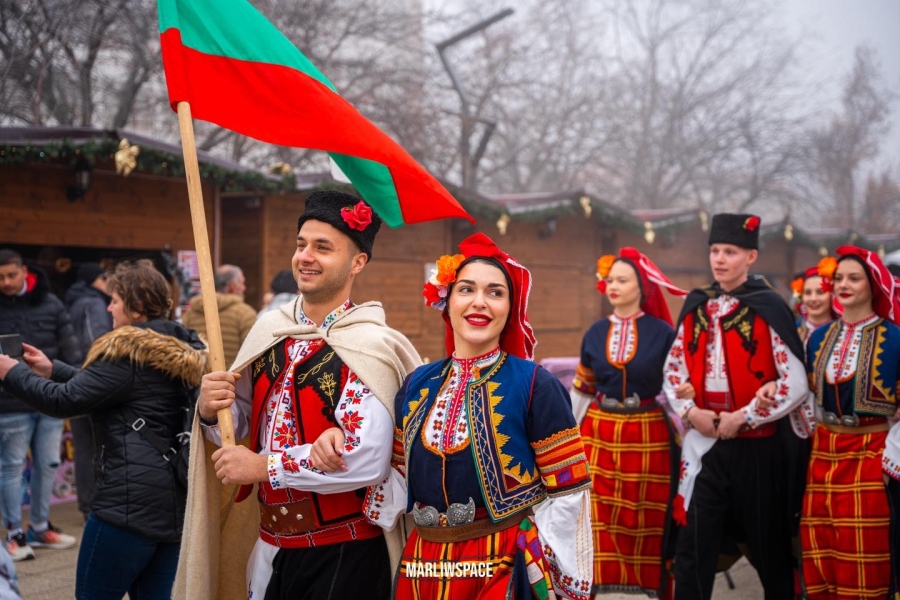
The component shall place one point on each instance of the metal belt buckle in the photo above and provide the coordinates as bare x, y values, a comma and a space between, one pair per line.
457, 514
608, 402
831, 419
633, 401
850, 421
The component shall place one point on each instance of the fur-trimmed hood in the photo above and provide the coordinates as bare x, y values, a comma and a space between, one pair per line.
163, 345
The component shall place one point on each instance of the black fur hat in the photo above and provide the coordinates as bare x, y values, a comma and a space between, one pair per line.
348, 214
730, 228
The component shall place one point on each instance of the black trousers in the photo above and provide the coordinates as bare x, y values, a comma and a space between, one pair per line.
739, 494
359, 569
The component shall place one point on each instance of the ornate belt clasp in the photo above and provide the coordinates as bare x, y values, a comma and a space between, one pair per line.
457, 514
632, 401
846, 420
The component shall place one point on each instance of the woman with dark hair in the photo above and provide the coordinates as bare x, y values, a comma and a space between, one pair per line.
853, 364
630, 442
141, 375
487, 455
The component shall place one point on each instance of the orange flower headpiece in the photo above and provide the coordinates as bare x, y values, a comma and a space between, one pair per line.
438, 284
825, 269
652, 281
604, 264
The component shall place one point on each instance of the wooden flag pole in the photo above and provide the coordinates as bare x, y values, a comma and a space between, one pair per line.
204, 260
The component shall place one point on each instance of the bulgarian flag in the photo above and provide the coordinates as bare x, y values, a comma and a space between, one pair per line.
235, 69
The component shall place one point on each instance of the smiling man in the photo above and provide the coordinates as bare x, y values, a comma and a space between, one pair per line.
734, 337
316, 363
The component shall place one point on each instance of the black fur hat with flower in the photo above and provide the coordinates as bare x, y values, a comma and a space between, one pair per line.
738, 229
346, 213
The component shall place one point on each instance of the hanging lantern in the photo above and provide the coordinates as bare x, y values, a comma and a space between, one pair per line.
503, 223
586, 206
649, 234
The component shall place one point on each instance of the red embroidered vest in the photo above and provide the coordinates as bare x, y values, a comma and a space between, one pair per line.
317, 385
747, 345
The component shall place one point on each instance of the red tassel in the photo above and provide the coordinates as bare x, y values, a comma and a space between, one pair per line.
678, 512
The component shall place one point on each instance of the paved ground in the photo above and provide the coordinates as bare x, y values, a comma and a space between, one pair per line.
51, 575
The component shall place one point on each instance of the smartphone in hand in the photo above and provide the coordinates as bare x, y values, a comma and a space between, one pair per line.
11, 345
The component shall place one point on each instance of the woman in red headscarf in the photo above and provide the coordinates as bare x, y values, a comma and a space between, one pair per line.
854, 364
487, 455
813, 297
629, 440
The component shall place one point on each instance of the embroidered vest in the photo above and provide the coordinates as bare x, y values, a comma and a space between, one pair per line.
747, 346
316, 388
872, 390
504, 459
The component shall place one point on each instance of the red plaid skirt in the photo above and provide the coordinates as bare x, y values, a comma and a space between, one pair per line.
424, 568
844, 530
630, 457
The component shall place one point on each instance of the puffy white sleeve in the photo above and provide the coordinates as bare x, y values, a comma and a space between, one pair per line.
890, 460
367, 428
675, 372
791, 387
564, 529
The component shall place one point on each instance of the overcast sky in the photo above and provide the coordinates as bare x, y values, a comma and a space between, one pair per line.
834, 28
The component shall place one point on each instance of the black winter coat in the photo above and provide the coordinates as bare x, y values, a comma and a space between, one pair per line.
42, 321
151, 368
87, 309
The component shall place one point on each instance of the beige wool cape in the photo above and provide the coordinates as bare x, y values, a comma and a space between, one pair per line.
218, 533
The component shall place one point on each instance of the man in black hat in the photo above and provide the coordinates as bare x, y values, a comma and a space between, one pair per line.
87, 301
316, 363
734, 336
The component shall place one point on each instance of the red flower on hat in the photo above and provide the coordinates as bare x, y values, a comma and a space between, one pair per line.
435, 296
357, 217
751, 223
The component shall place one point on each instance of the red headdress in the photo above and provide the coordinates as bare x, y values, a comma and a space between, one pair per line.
652, 280
517, 338
885, 287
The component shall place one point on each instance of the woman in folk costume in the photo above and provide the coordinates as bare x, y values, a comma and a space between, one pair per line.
631, 445
812, 295
853, 370
487, 454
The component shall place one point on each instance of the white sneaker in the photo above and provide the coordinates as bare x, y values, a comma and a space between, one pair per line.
52, 538
18, 548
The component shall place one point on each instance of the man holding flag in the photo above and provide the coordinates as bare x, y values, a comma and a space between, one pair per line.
316, 363
226, 64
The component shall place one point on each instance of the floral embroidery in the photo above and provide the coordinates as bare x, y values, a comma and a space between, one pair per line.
351, 421
283, 437
272, 471
622, 338
289, 464
447, 421
374, 502
350, 443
